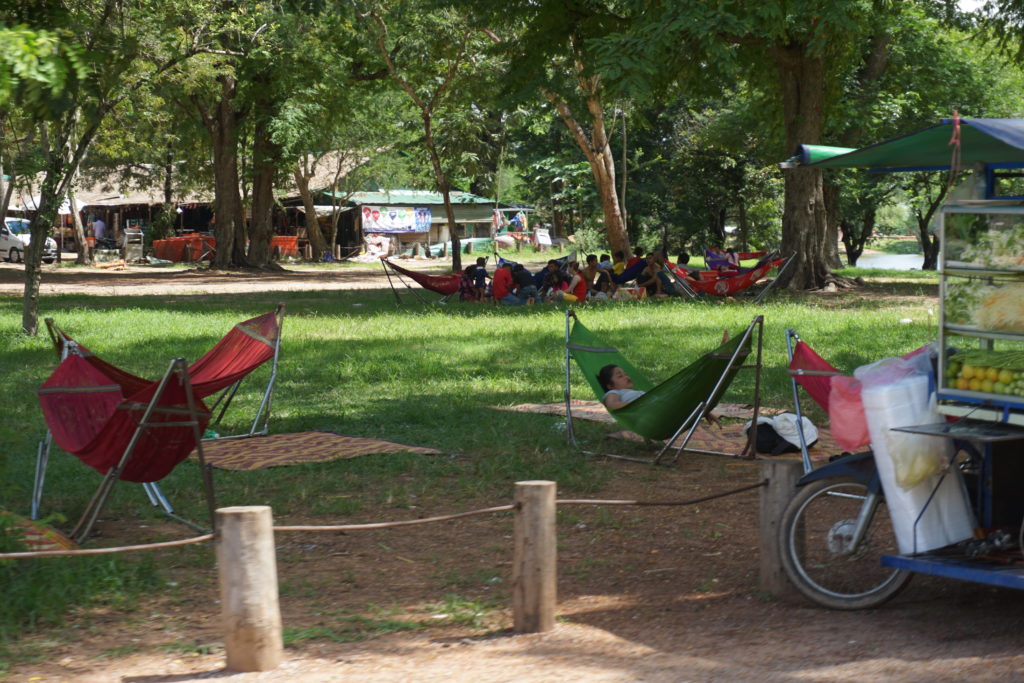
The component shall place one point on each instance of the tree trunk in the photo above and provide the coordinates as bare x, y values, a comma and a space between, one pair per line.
804, 219
223, 127
930, 244
49, 205
316, 239
83, 258
830, 193
598, 153
443, 187
265, 155
743, 226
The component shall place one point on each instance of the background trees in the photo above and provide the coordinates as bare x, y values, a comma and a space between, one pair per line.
637, 122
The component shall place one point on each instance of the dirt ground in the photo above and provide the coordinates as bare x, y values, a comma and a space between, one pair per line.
644, 593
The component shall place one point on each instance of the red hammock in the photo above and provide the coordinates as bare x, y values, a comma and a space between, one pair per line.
94, 409
445, 285
712, 283
817, 386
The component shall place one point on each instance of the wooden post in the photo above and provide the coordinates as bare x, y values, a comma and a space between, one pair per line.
533, 571
782, 476
248, 588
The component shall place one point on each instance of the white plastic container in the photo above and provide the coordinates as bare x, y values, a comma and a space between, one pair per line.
948, 517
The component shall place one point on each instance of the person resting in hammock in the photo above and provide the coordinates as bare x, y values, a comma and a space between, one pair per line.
618, 387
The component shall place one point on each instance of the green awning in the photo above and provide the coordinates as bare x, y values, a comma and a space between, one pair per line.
811, 154
986, 141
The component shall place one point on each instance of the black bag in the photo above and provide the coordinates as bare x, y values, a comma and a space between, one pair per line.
768, 441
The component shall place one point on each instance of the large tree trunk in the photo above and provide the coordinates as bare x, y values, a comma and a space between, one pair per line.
804, 219
223, 128
265, 156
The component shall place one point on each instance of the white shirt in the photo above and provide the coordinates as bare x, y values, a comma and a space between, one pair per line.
625, 395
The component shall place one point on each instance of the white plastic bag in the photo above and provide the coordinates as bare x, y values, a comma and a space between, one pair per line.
935, 512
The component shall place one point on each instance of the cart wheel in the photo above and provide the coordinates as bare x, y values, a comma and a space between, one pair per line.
816, 528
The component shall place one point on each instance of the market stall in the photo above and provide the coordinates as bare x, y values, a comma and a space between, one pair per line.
948, 443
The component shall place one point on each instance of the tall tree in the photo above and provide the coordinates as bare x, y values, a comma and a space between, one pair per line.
438, 61
117, 45
553, 47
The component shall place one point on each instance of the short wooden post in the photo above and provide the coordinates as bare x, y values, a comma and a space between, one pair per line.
782, 476
533, 572
248, 588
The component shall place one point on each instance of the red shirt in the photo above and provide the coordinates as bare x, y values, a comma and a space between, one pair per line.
501, 283
580, 290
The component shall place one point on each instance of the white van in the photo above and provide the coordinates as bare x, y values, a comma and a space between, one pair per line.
15, 235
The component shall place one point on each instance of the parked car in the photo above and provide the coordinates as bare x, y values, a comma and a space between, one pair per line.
15, 235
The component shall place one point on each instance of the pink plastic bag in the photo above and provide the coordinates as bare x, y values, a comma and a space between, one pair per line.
846, 414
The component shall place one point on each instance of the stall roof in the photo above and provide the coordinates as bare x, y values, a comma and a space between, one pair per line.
411, 198
988, 141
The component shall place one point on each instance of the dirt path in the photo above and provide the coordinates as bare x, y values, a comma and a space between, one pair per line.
151, 280
651, 594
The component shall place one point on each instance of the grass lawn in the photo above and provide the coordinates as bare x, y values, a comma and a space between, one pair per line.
354, 362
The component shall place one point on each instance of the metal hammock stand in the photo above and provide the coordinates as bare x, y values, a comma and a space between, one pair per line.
675, 406
117, 422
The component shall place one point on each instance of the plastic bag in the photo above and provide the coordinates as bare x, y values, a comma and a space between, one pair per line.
846, 414
901, 390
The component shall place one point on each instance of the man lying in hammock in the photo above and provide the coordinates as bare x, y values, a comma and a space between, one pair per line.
618, 387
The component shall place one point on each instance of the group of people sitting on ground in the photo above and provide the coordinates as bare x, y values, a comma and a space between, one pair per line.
600, 278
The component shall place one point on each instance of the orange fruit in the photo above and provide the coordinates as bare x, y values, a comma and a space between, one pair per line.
992, 374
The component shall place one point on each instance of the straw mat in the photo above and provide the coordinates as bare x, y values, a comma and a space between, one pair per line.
274, 450
34, 535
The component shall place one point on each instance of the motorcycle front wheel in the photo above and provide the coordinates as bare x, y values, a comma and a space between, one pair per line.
814, 540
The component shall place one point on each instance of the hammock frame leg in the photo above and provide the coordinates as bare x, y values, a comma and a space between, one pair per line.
263, 411
805, 455
567, 391
42, 460
394, 290
716, 393
680, 282
177, 369
764, 292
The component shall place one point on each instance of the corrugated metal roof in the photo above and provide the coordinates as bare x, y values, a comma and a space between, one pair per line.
411, 198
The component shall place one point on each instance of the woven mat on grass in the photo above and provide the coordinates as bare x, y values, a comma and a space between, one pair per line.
731, 439
34, 535
596, 412
274, 450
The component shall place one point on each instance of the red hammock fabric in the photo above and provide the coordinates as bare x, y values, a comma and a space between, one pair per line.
711, 283
442, 284
93, 408
817, 386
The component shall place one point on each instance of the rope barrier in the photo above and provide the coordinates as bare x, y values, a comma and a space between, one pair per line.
106, 551
388, 525
677, 503
381, 525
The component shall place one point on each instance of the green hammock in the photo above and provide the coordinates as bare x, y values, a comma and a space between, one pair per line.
665, 407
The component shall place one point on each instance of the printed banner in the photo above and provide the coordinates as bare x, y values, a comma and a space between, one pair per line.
396, 219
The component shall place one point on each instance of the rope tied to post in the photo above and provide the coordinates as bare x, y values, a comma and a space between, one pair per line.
383, 525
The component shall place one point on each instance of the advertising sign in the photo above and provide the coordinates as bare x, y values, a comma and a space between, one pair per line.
396, 219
